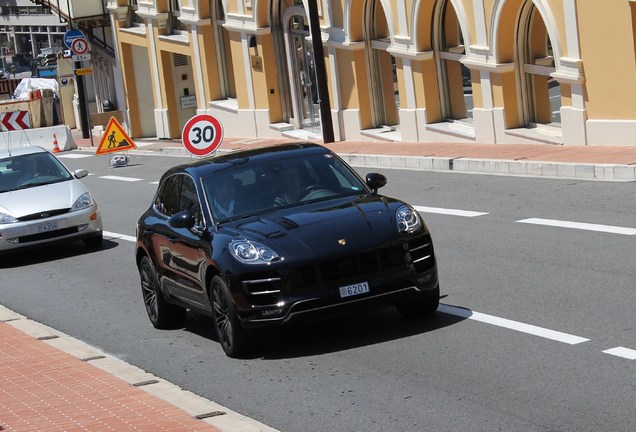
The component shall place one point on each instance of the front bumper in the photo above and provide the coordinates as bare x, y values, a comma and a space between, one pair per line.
312, 291
68, 226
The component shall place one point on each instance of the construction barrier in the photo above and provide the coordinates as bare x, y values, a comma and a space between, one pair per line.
45, 137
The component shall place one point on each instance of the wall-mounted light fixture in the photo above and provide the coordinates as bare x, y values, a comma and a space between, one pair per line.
252, 42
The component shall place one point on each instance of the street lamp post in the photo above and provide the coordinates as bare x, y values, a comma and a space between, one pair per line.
321, 74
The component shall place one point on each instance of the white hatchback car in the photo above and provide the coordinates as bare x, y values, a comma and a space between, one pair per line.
42, 202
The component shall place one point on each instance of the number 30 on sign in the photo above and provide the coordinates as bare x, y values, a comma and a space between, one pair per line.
202, 134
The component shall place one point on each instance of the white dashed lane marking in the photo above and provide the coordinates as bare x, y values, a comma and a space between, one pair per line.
74, 156
113, 236
627, 353
513, 325
452, 212
579, 225
126, 179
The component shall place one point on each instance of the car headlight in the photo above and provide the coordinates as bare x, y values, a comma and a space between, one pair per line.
250, 252
7, 218
408, 220
84, 201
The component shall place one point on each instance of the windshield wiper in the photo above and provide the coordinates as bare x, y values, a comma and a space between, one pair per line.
30, 185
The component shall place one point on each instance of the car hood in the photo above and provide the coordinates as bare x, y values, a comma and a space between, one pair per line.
36, 199
327, 228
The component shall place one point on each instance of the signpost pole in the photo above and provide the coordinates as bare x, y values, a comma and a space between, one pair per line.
82, 105
69, 37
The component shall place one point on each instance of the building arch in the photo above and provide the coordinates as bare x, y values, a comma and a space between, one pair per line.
354, 19
536, 66
378, 34
508, 11
423, 23
451, 47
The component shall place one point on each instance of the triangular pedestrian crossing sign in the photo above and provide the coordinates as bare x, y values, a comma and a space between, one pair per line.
115, 139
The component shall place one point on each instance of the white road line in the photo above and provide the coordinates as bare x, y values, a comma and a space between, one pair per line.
579, 225
113, 236
155, 182
513, 325
627, 353
452, 212
74, 156
126, 179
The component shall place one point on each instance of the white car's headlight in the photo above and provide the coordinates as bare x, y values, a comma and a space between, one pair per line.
408, 220
250, 252
7, 219
84, 201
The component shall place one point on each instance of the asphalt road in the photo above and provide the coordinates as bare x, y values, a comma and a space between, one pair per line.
536, 331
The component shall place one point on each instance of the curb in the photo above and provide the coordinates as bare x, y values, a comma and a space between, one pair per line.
541, 169
198, 407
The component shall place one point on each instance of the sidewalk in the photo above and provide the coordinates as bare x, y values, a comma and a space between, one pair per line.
609, 163
51, 382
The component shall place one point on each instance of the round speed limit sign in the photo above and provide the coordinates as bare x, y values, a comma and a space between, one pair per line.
202, 134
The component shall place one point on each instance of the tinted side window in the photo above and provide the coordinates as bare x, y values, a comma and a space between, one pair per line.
167, 201
189, 200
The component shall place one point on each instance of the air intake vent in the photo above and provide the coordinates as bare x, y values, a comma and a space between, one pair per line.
180, 60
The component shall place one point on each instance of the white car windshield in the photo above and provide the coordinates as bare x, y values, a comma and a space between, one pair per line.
30, 170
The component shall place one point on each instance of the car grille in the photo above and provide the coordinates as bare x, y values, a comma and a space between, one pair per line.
43, 214
417, 253
48, 235
357, 265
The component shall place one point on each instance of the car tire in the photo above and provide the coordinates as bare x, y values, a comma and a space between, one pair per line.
94, 242
162, 315
234, 339
420, 305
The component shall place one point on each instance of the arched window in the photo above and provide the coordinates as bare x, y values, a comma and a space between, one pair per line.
540, 93
382, 67
456, 95
224, 57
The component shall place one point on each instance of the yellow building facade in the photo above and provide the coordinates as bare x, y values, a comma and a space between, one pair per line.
484, 71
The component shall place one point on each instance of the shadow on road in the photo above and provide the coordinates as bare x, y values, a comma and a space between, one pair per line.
42, 254
333, 335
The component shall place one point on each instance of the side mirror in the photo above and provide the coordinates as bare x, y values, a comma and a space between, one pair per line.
80, 173
183, 219
375, 181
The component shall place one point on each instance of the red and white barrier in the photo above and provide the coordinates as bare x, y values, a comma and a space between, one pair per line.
16, 120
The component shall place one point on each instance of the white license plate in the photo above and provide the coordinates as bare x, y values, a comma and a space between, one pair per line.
355, 289
47, 227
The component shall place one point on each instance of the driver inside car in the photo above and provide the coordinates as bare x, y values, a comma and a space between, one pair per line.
30, 168
292, 190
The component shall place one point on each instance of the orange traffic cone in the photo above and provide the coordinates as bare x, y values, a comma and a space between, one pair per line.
56, 147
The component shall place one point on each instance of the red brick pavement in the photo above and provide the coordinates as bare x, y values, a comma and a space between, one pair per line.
44, 389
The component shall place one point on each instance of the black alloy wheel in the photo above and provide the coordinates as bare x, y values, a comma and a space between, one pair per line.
161, 314
419, 306
232, 336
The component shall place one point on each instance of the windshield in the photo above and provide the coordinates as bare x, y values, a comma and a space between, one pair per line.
247, 189
30, 170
